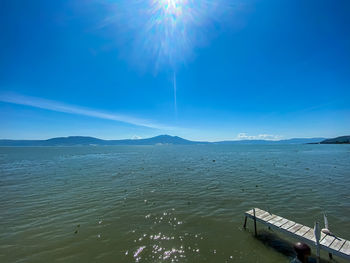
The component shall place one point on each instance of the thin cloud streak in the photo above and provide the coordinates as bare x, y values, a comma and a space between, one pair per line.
74, 109
270, 137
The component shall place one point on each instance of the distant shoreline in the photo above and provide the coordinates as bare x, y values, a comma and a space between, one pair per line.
162, 140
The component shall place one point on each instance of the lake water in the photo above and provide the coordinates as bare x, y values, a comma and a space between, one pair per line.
165, 203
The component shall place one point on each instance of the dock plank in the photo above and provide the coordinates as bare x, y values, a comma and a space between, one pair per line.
266, 214
258, 212
250, 212
262, 215
302, 231
345, 249
274, 220
337, 243
288, 225
295, 228
310, 235
327, 241
268, 218
281, 222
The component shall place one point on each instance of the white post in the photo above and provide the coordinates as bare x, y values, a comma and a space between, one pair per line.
317, 239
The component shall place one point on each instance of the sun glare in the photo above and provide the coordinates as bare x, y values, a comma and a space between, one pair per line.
168, 31
172, 7
169, 27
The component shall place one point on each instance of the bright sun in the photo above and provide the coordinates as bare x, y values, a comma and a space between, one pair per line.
172, 7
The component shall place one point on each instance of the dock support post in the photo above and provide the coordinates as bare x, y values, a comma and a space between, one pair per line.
330, 255
245, 222
317, 237
255, 222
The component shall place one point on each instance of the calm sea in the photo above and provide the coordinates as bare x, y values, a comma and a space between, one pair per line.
165, 203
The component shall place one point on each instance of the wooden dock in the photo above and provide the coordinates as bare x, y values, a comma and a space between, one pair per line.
332, 244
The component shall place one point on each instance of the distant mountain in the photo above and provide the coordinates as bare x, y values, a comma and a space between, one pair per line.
289, 141
337, 140
86, 141
161, 139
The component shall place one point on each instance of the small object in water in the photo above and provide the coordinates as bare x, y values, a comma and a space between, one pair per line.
256, 186
78, 225
100, 222
98, 235
213, 161
76, 232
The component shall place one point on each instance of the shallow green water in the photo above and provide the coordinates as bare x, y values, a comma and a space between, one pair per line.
164, 203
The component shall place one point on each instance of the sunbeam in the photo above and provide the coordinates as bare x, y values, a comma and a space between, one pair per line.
175, 102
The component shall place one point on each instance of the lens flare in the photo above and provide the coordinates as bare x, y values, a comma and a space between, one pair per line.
168, 28
162, 34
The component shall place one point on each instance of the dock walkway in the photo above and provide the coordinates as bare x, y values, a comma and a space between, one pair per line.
331, 244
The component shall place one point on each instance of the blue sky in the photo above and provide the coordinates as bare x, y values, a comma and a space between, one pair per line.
109, 69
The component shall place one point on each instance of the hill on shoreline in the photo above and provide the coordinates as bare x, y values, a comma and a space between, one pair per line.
157, 140
337, 140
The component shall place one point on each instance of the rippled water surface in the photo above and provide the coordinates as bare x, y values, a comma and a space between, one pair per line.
165, 203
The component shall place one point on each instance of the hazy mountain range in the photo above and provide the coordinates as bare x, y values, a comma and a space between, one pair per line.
161, 139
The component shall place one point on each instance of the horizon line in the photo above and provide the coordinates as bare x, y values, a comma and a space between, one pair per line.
140, 138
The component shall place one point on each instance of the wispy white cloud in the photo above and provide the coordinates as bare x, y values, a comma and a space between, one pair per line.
245, 136
78, 110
